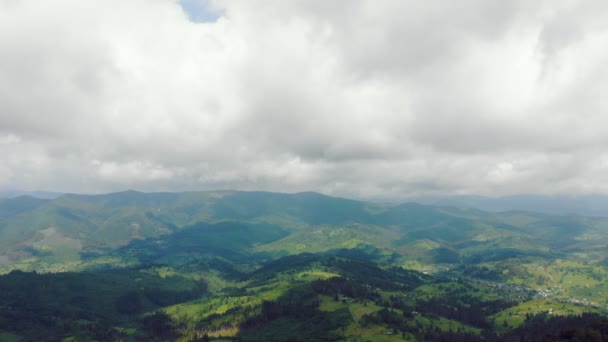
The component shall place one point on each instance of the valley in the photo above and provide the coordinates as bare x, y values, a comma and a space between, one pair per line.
256, 266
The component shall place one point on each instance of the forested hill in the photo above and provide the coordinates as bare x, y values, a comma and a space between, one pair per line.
270, 266
37, 234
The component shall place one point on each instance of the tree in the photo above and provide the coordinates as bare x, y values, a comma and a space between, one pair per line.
129, 303
159, 324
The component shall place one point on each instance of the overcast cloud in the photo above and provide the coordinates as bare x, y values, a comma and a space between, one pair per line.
359, 98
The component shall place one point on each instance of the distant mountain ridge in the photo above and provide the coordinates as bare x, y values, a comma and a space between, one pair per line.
586, 205
36, 194
258, 265
69, 231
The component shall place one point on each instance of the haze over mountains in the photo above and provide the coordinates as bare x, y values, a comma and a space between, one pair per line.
72, 228
234, 264
36, 194
586, 205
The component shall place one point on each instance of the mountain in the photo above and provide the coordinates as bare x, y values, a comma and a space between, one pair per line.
14, 206
305, 266
74, 228
586, 205
36, 194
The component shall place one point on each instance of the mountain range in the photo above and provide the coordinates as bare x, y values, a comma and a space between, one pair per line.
72, 228
232, 265
588, 205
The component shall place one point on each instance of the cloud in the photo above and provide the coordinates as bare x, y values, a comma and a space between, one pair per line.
352, 98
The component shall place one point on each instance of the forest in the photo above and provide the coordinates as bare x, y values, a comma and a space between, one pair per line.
240, 266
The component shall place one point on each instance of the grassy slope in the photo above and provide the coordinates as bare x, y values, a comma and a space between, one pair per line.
50, 231
562, 256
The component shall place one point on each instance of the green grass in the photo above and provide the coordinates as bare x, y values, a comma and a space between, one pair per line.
192, 311
8, 337
358, 309
447, 288
516, 316
373, 333
329, 304
323, 238
315, 275
445, 324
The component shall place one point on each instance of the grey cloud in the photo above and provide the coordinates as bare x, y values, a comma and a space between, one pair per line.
406, 36
353, 98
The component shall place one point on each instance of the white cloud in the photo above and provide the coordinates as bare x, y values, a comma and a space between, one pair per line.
355, 98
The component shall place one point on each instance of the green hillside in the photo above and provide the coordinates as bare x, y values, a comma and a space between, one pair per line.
268, 266
34, 231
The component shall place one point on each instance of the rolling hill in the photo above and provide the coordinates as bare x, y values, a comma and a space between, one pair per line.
74, 228
366, 270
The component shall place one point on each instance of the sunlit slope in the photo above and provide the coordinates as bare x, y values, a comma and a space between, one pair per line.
36, 234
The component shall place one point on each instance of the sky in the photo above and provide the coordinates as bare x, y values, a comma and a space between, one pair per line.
356, 98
